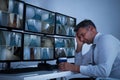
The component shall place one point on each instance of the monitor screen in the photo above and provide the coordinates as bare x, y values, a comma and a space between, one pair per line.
65, 25
10, 46
64, 47
11, 14
38, 47
39, 20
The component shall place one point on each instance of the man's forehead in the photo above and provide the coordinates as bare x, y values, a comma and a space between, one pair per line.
80, 30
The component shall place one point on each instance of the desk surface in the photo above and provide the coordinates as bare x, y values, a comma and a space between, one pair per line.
41, 75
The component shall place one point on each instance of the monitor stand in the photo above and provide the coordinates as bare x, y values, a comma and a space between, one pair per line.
7, 66
44, 66
41, 66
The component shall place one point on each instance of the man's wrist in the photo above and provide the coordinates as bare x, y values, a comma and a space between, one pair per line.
77, 51
76, 68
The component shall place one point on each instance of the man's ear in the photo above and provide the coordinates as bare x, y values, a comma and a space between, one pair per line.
91, 28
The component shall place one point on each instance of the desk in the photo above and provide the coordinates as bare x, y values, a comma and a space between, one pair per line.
37, 75
43, 75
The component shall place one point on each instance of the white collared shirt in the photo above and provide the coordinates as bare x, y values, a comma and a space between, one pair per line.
106, 58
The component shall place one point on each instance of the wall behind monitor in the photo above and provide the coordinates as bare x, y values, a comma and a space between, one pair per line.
104, 13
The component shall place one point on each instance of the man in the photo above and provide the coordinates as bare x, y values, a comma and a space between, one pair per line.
103, 58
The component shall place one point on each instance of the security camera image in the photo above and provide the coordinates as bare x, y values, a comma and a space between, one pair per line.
47, 48
47, 42
39, 20
47, 53
10, 46
37, 47
31, 46
32, 40
65, 25
64, 47
11, 14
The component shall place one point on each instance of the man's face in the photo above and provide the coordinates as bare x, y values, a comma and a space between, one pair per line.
85, 35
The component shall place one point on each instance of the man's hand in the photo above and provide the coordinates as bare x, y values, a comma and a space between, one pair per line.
65, 66
79, 44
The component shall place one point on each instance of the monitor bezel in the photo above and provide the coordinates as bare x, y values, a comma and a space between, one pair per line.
63, 37
12, 28
56, 24
36, 7
21, 58
41, 35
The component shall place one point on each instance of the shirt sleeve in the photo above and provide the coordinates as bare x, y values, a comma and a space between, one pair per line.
83, 59
78, 58
107, 50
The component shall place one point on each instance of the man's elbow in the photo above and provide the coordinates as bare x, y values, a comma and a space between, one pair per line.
105, 73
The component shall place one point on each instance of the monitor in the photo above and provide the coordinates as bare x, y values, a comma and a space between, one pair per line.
11, 14
39, 20
65, 25
37, 47
10, 46
64, 47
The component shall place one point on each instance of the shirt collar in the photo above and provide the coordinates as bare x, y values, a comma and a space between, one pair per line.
96, 38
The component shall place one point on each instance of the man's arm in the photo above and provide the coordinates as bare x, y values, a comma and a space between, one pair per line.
79, 45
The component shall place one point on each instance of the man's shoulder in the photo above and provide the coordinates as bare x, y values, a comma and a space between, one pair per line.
107, 38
